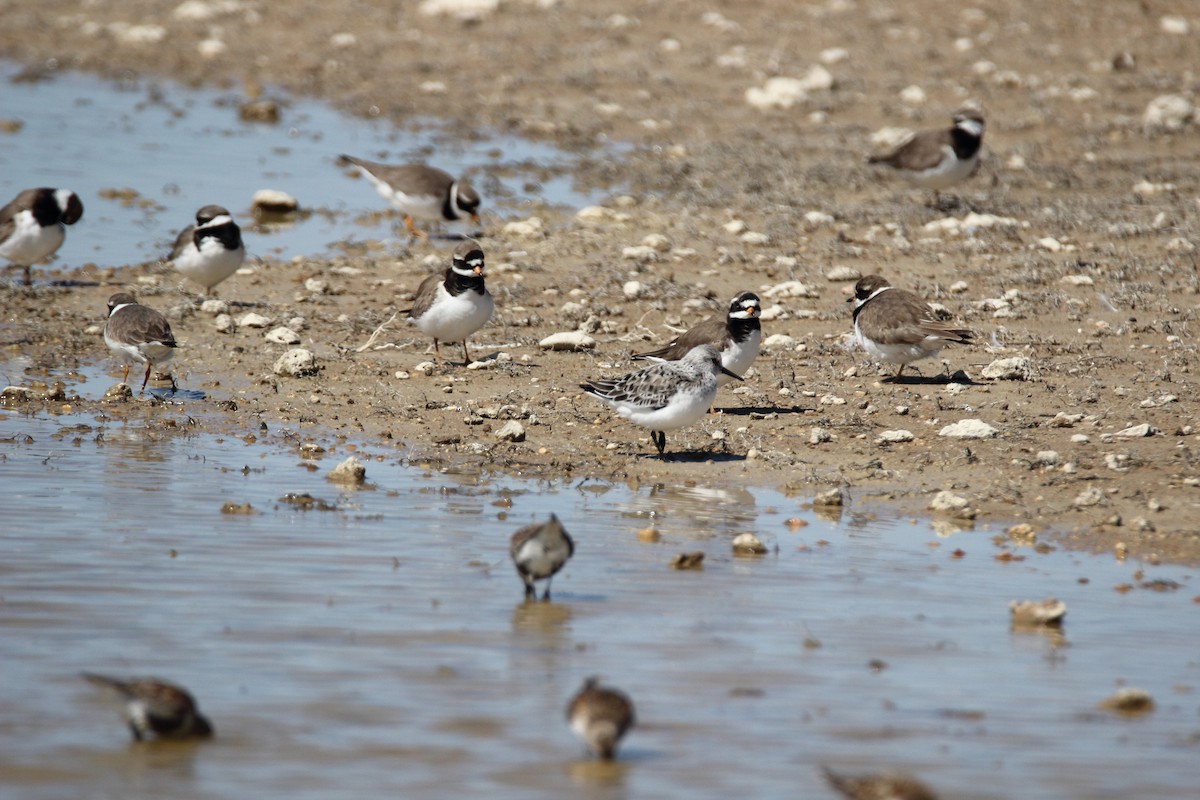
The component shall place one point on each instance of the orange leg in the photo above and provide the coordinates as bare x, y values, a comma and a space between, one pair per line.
145, 378
412, 229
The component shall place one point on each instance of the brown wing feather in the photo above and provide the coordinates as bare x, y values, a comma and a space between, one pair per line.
182, 241
427, 292
912, 320
923, 151
710, 331
147, 325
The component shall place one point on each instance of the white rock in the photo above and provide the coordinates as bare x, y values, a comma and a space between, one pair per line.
1092, 496
842, 274
755, 238
791, 289
349, 471
1149, 189
316, 286
1050, 243
211, 48
214, 306
1018, 368
253, 320
734, 226
274, 201
748, 544
913, 95
568, 340
968, 429
948, 501
632, 289
834, 55
817, 79
199, 10
224, 324
1168, 112
894, 437
1047, 458
819, 436
595, 214
527, 228
831, 497
125, 33
298, 363
818, 219
491, 361
511, 431
1180, 245
656, 241
1137, 431
282, 335
778, 341
462, 9
1077, 280
777, 92
771, 312
343, 40
640, 253
1175, 26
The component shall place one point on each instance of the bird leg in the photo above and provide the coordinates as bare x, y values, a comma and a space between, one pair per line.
660, 440
530, 591
28, 277
546, 593
438, 353
412, 229
466, 356
125, 379
145, 378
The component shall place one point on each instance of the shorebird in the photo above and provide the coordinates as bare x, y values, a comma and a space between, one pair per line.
737, 334
539, 551
137, 333
420, 192
155, 709
32, 225
600, 716
939, 159
211, 250
898, 327
886, 786
452, 306
664, 396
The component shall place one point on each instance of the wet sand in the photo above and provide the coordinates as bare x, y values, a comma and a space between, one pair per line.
1094, 282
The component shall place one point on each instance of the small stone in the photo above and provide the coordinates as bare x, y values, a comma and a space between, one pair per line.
1050, 244
778, 341
273, 202
640, 253
214, 305
1035, 613
833, 497
282, 335
349, 471
843, 274
118, 391
747, 544
650, 535
568, 340
1137, 431
952, 504
818, 219
1018, 368
656, 241
1022, 533
1047, 458
754, 238
632, 289
913, 95
1091, 496
595, 214
1168, 113
253, 320
968, 429
1129, 701
297, 363
316, 286
527, 228
777, 92
894, 437
693, 560
819, 436
511, 431
224, 324
1174, 26
791, 289
231, 507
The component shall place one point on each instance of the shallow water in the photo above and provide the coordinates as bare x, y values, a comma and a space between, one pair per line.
385, 647
181, 148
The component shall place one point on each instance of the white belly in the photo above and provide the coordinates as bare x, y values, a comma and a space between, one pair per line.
452, 318
30, 242
211, 264
947, 173
684, 409
899, 353
740, 357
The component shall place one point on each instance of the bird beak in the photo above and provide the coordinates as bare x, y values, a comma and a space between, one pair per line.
478, 270
732, 374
